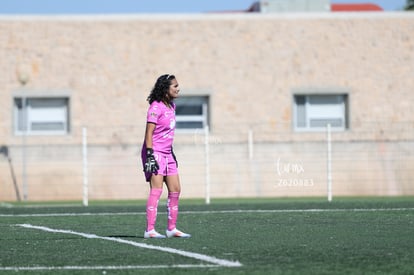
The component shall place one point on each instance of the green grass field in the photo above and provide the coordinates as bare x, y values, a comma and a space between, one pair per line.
243, 236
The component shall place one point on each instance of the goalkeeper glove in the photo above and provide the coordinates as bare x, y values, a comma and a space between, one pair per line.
151, 165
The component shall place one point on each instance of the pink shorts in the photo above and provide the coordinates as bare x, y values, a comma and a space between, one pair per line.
168, 166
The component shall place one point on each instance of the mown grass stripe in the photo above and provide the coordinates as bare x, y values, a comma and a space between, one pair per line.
316, 210
197, 256
103, 267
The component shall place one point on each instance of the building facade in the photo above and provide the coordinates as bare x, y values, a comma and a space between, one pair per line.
73, 103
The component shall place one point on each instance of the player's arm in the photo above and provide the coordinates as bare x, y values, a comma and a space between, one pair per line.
151, 165
149, 132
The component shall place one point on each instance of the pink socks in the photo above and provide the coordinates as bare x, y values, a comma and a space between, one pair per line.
152, 207
172, 207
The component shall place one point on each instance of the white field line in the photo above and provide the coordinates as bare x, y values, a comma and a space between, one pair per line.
6, 205
103, 267
316, 210
197, 256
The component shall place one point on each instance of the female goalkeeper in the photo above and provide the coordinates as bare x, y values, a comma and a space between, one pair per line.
158, 159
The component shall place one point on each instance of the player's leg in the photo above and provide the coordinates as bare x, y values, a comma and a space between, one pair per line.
174, 189
156, 182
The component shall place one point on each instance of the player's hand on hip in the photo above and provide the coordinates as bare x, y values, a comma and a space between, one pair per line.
151, 165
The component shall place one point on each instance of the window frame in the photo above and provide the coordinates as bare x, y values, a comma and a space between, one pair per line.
26, 128
344, 94
204, 118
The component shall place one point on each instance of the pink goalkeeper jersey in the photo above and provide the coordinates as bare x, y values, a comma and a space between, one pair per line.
164, 120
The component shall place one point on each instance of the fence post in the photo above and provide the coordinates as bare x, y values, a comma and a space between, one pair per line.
207, 159
250, 142
329, 161
24, 149
85, 165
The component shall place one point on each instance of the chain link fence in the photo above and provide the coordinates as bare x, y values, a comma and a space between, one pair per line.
234, 160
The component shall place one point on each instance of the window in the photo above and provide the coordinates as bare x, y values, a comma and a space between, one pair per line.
191, 112
316, 111
39, 115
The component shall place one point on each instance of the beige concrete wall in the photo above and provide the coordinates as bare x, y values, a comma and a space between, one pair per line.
249, 65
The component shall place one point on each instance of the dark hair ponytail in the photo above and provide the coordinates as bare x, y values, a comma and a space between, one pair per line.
160, 89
